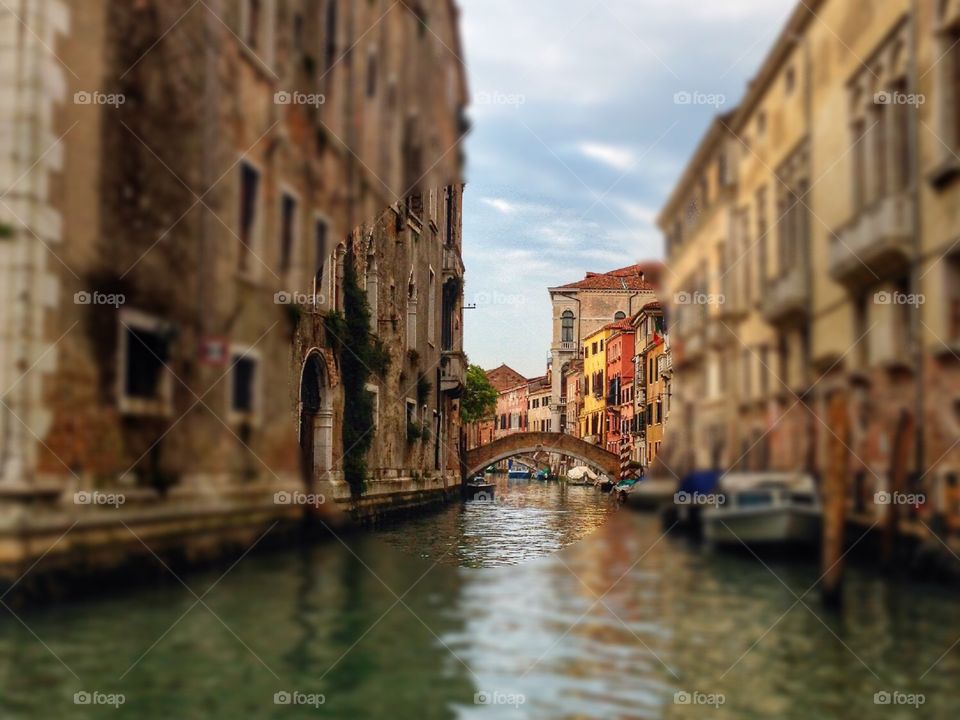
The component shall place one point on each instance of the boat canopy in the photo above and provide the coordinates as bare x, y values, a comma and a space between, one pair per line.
794, 482
703, 482
579, 471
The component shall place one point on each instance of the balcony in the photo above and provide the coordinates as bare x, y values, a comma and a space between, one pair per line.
453, 372
567, 346
877, 245
665, 365
787, 298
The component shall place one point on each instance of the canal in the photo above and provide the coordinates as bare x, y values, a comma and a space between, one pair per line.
428, 618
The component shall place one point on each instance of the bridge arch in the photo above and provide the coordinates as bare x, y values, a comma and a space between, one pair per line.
530, 443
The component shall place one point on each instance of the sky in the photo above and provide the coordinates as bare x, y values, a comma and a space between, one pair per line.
581, 128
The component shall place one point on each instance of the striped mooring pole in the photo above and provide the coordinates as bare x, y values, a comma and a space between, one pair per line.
624, 458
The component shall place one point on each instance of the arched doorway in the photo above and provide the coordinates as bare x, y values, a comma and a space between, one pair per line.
316, 421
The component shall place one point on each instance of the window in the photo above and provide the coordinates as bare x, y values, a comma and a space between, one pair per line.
762, 239
298, 33
431, 307
411, 412
877, 142
372, 280
761, 123
789, 81
145, 380
251, 24
371, 74
901, 170
374, 391
249, 193
859, 165
244, 371
620, 315
288, 222
566, 326
953, 306
411, 312
330, 46
322, 254
593, 349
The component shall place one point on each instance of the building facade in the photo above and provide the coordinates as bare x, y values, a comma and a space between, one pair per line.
580, 308
183, 227
814, 237
573, 382
538, 405
618, 381
653, 379
593, 418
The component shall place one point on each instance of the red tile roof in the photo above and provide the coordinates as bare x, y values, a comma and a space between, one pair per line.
627, 278
504, 378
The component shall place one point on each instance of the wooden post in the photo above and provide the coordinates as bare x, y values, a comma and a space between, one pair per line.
902, 442
835, 500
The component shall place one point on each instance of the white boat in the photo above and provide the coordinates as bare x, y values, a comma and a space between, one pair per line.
764, 509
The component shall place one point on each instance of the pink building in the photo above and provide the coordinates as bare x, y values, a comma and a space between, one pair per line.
620, 346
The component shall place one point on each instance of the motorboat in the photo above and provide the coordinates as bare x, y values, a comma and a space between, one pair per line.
479, 489
764, 509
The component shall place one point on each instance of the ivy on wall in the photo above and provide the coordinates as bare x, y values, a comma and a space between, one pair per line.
360, 354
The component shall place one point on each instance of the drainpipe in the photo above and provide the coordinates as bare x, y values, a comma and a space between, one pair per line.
915, 277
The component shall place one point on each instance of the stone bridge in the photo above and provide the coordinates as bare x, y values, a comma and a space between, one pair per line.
530, 443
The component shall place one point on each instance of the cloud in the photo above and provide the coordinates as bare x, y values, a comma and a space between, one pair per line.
510, 207
619, 158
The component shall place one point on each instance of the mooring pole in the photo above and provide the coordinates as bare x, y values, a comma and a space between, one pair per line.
835, 500
898, 481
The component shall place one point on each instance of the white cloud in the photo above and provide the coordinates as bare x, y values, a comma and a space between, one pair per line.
504, 206
619, 158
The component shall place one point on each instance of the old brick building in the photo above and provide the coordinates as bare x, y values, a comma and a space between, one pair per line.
190, 194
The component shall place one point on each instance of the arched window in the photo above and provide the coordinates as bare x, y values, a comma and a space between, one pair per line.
619, 316
566, 326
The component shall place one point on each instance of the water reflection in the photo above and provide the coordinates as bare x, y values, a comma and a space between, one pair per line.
610, 627
526, 519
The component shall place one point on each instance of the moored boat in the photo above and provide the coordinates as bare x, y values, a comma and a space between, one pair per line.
479, 489
764, 509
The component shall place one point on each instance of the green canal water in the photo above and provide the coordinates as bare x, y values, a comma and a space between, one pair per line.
434, 618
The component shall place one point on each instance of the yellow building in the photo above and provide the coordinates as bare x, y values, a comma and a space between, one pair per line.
813, 239
593, 415
654, 382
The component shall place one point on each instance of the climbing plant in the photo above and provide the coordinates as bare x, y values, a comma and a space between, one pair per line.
360, 355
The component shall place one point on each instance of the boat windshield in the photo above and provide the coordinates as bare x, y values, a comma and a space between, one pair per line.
754, 499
